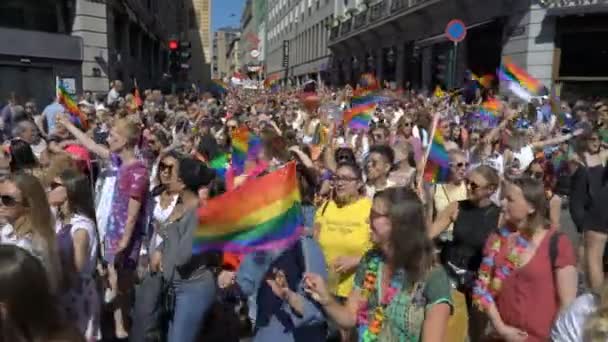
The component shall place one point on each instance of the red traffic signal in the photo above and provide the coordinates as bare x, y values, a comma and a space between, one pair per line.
173, 45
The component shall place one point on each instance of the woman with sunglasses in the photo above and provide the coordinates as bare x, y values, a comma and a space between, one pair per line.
399, 294
28, 222
405, 134
542, 170
588, 198
454, 190
78, 244
342, 228
528, 271
29, 309
190, 278
474, 219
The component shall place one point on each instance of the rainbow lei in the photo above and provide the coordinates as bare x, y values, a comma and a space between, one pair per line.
370, 326
490, 278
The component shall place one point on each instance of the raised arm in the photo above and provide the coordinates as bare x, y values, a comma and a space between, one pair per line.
84, 139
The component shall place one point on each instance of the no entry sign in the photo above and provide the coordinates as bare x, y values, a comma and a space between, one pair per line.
456, 30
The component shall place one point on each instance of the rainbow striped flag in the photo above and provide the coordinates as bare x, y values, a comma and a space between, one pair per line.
360, 117
218, 86
437, 167
520, 82
64, 98
245, 146
489, 111
270, 218
220, 165
271, 81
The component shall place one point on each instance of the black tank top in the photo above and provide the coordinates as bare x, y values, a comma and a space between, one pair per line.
471, 230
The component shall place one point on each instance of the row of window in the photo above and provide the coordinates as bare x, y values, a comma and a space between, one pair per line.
283, 20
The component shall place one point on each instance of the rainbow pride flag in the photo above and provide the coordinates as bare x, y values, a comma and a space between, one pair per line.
218, 86
64, 98
489, 111
270, 218
245, 146
271, 81
360, 117
437, 167
520, 82
220, 165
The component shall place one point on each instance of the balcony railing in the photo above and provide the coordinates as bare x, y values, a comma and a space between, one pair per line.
334, 33
378, 10
346, 26
360, 20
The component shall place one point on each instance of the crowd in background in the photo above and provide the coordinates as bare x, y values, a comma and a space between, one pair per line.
98, 217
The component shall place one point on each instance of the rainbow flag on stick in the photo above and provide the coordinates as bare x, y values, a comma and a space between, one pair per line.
64, 98
219, 87
489, 111
519, 81
220, 165
270, 218
437, 166
245, 146
359, 117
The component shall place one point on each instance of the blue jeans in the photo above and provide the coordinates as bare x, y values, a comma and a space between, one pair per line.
193, 299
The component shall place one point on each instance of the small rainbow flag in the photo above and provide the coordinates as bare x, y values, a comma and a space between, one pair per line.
485, 80
359, 117
437, 167
64, 98
489, 111
245, 146
270, 218
218, 86
271, 81
512, 73
220, 165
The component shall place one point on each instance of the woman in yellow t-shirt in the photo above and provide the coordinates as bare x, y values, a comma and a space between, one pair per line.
342, 228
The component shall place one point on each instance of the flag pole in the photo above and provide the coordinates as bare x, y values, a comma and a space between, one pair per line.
428, 148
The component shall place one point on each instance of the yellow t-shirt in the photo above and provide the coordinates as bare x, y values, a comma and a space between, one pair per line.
344, 232
446, 194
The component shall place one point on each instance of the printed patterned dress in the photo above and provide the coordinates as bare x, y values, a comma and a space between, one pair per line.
404, 309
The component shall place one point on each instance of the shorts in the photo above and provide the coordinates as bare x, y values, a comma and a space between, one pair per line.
596, 219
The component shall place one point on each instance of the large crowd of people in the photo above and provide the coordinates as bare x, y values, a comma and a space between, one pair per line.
98, 214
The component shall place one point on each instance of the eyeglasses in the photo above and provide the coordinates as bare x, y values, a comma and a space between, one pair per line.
165, 167
337, 179
460, 165
9, 201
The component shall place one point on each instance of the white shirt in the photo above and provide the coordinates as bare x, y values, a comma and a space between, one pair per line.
77, 223
8, 236
525, 156
569, 325
113, 96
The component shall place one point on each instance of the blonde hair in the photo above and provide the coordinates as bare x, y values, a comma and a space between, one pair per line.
130, 130
596, 327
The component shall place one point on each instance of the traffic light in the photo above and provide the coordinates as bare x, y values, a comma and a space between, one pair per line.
174, 60
184, 54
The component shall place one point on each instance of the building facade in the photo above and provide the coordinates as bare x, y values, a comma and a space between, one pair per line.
301, 28
403, 41
233, 56
201, 40
249, 45
222, 39
86, 43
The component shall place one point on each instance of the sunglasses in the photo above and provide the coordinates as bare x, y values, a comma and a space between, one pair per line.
9, 201
406, 124
460, 165
474, 186
165, 167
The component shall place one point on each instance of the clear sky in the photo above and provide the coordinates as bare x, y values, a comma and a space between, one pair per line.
226, 13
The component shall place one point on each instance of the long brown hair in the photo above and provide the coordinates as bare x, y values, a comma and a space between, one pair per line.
534, 193
38, 218
412, 249
32, 313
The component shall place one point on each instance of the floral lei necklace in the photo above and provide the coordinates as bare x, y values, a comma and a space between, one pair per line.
490, 278
371, 325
